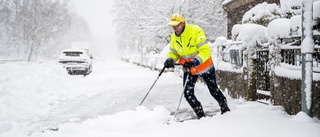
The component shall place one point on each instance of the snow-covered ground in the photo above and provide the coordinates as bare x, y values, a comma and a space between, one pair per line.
42, 100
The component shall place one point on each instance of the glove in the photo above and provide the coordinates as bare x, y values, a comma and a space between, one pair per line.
192, 63
188, 64
169, 63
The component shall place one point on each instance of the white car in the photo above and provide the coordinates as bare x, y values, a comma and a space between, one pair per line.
76, 61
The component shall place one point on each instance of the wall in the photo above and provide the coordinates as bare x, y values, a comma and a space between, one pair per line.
231, 81
290, 97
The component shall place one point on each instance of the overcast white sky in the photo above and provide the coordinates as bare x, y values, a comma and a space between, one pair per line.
97, 13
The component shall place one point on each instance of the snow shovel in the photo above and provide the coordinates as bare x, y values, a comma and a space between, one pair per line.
184, 87
152, 85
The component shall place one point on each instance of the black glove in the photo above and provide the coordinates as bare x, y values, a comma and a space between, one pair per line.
188, 64
169, 63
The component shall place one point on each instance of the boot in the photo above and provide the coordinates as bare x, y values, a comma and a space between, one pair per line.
224, 107
199, 111
200, 115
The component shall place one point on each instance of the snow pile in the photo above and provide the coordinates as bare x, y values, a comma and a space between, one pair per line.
292, 72
219, 41
303, 117
124, 123
257, 118
279, 28
235, 31
252, 33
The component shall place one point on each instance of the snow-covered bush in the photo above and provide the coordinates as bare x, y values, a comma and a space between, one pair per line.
262, 14
235, 31
251, 36
252, 33
279, 28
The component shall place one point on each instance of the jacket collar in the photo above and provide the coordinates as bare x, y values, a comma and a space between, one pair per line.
181, 31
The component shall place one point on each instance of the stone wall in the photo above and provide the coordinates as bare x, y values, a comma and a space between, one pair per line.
232, 82
284, 92
290, 96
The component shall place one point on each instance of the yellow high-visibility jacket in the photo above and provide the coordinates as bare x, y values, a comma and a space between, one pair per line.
192, 43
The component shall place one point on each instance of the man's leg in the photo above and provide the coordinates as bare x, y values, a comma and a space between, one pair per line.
189, 94
210, 79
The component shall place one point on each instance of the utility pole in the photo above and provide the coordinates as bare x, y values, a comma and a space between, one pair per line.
307, 48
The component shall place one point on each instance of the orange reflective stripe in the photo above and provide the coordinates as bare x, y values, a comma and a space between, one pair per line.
183, 60
186, 58
201, 67
198, 69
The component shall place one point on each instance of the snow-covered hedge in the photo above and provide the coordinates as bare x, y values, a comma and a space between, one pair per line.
262, 14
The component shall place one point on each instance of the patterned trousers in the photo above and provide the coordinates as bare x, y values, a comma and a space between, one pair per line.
210, 79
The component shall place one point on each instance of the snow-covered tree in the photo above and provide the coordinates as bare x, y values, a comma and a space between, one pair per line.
31, 24
144, 21
207, 14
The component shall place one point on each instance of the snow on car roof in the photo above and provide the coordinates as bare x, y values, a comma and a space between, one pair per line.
74, 49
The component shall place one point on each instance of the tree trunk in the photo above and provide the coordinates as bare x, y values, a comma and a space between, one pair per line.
30, 51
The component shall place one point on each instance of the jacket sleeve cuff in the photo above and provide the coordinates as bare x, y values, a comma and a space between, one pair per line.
195, 61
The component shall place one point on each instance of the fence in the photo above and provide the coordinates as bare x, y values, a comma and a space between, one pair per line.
232, 53
280, 90
290, 59
263, 75
291, 53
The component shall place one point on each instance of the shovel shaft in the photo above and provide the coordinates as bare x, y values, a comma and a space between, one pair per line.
184, 88
152, 86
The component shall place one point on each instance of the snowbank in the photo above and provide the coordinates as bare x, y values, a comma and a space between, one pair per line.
246, 120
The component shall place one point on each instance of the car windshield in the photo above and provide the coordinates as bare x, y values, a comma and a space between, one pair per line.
73, 54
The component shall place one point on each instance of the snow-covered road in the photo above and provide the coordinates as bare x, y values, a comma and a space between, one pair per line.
42, 100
